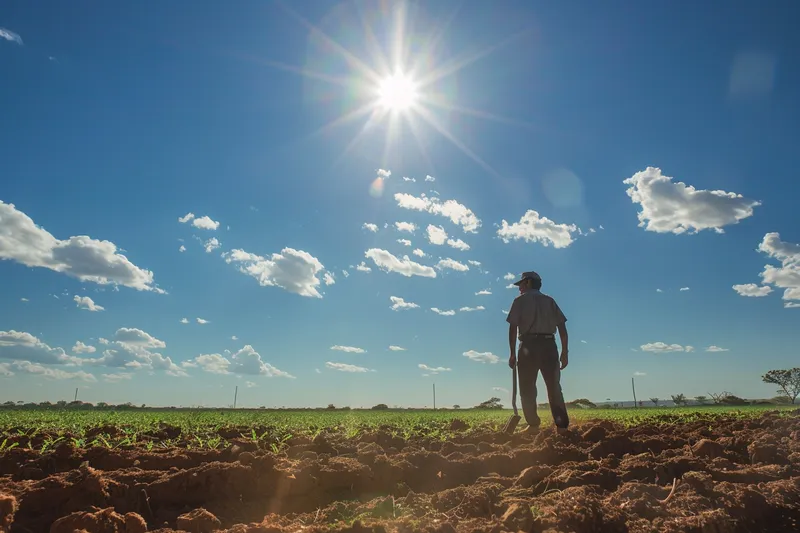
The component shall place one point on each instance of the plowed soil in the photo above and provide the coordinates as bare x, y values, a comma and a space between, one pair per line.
715, 475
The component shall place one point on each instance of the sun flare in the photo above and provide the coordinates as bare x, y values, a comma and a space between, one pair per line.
397, 92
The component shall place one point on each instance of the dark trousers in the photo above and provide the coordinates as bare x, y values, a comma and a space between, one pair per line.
540, 355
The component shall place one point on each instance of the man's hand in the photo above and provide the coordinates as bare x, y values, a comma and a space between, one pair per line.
512, 360
564, 359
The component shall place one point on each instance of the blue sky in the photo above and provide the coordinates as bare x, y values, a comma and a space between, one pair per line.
161, 164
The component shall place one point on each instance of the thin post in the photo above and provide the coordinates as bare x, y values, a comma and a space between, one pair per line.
76, 394
434, 396
235, 396
633, 385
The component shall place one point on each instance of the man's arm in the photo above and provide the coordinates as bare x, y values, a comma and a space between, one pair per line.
562, 333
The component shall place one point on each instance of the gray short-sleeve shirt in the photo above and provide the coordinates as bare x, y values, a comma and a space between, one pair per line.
535, 312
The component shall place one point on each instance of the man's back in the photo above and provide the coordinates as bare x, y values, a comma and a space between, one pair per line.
535, 312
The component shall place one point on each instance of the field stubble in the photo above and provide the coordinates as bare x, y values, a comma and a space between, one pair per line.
664, 470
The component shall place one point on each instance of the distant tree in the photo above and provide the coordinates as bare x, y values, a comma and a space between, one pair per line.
788, 381
331, 407
380, 407
701, 399
679, 399
730, 399
655, 401
781, 400
456, 406
717, 397
491, 403
583, 403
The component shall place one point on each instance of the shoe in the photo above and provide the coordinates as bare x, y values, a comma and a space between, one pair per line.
532, 430
562, 431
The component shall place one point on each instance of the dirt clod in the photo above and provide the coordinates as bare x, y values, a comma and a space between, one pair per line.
199, 521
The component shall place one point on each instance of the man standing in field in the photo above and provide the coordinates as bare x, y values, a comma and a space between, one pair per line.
534, 318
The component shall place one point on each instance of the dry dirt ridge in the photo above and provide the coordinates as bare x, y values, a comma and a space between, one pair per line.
715, 475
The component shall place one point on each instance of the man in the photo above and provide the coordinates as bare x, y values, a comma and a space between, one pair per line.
534, 318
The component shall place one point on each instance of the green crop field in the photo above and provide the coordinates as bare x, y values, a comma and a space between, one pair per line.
201, 428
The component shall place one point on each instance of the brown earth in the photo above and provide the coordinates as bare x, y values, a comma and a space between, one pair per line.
715, 475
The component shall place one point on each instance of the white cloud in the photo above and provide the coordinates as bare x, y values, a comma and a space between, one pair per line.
430, 178
713, 348
345, 273
406, 267
399, 303
787, 276
458, 244
20, 345
27, 367
533, 228
370, 227
211, 244
292, 270
83, 348
318, 371
474, 263
500, 389
660, 347
81, 257
481, 357
328, 278
135, 337
418, 253
451, 264
639, 374
345, 367
405, 226
24, 300
250, 384
397, 348
186, 218
684, 289
117, 377
404, 242
674, 207
752, 290
348, 349
84, 302
182, 248
509, 276
484, 292
584, 342
246, 362
413, 180
201, 320
469, 309
443, 313
456, 212
436, 234
9, 35
433, 370
234, 338
659, 290
184, 320
362, 267
205, 222
384, 173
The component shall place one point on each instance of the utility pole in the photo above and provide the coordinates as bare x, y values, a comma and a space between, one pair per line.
235, 396
633, 385
76, 394
434, 396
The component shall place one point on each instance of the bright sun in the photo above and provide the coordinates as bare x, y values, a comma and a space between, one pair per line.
397, 93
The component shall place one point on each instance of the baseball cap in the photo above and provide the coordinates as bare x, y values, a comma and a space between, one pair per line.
527, 275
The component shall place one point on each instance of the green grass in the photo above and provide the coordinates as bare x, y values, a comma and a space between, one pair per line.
204, 423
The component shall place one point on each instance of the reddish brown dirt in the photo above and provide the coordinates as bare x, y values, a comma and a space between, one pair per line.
729, 476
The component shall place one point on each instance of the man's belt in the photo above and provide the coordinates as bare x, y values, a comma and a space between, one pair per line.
538, 335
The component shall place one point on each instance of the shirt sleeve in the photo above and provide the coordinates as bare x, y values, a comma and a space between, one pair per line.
559, 315
513, 313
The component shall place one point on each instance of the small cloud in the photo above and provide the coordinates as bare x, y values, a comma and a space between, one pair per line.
24, 300
584, 342
399, 303
412, 180
370, 227
484, 292
184, 320
397, 348
443, 313
83, 348
348, 349
436, 234
639, 374
410, 227
404, 242
659, 290
362, 267
430, 178
660, 347
345, 367
9, 35
433, 370
384, 173
418, 253
474, 263
470, 309
234, 338
509, 277
117, 377
318, 371
345, 273
202, 321
684, 289
451, 264
249, 384
713, 348
182, 248
481, 357
458, 244
84, 302
752, 290
500, 389
211, 244
328, 278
